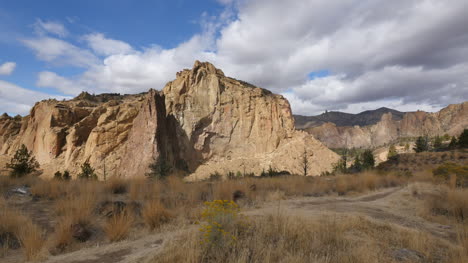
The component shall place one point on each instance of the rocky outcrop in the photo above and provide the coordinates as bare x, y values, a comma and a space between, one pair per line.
450, 120
200, 123
364, 118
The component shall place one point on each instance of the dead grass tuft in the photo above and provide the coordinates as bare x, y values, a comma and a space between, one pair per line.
118, 226
155, 214
19, 228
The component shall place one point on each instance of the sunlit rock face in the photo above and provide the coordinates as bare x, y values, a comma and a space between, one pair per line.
200, 123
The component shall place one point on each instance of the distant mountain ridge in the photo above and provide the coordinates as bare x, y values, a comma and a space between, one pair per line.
364, 118
450, 120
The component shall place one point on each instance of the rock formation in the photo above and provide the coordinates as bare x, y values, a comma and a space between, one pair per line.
200, 123
364, 118
450, 120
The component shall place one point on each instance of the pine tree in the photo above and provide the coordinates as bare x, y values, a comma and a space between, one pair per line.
87, 172
22, 163
453, 143
463, 139
368, 160
437, 143
357, 165
421, 144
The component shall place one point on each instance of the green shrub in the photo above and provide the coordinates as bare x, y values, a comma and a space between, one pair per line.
58, 175
87, 172
160, 169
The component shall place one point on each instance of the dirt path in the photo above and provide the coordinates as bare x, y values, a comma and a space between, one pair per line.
121, 252
393, 205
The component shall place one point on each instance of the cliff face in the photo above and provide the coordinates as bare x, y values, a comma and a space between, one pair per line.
201, 122
450, 120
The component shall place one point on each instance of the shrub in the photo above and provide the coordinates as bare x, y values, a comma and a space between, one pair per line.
58, 175
87, 172
220, 217
159, 169
66, 175
447, 170
22, 163
392, 153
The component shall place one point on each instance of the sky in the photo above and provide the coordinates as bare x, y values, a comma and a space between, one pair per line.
346, 55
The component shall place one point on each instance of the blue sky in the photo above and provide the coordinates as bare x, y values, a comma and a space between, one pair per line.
163, 23
319, 54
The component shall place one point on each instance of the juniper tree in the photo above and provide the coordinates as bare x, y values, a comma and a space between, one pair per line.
87, 171
22, 163
421, 144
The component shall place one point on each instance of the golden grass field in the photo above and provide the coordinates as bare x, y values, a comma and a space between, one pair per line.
374, 216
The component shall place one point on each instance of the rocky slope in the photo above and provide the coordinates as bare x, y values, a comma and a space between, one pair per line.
450, 120
346, 119
202, 122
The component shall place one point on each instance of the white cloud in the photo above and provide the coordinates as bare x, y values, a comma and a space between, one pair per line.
7, 68
56, 28
47, 79
60, 52
106, 46
379, 53
17, 100
133, 72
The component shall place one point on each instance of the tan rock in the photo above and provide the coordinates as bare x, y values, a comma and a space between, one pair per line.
200, 123
450, 120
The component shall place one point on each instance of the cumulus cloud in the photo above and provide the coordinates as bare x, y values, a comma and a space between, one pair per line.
47, 79
132, 72
44, 27
60, 52
405, 53
106, 46
18, 100
7, 68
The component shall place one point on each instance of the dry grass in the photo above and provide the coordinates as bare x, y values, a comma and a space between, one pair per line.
31, 240
449, 202
177, 202
62, 237
51, 189
279, 238
116, 185
21, 229
118, 226
155, 214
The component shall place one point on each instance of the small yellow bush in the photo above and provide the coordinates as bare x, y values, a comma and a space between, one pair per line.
220, 217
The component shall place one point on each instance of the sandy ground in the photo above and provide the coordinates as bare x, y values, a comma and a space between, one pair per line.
398, 206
